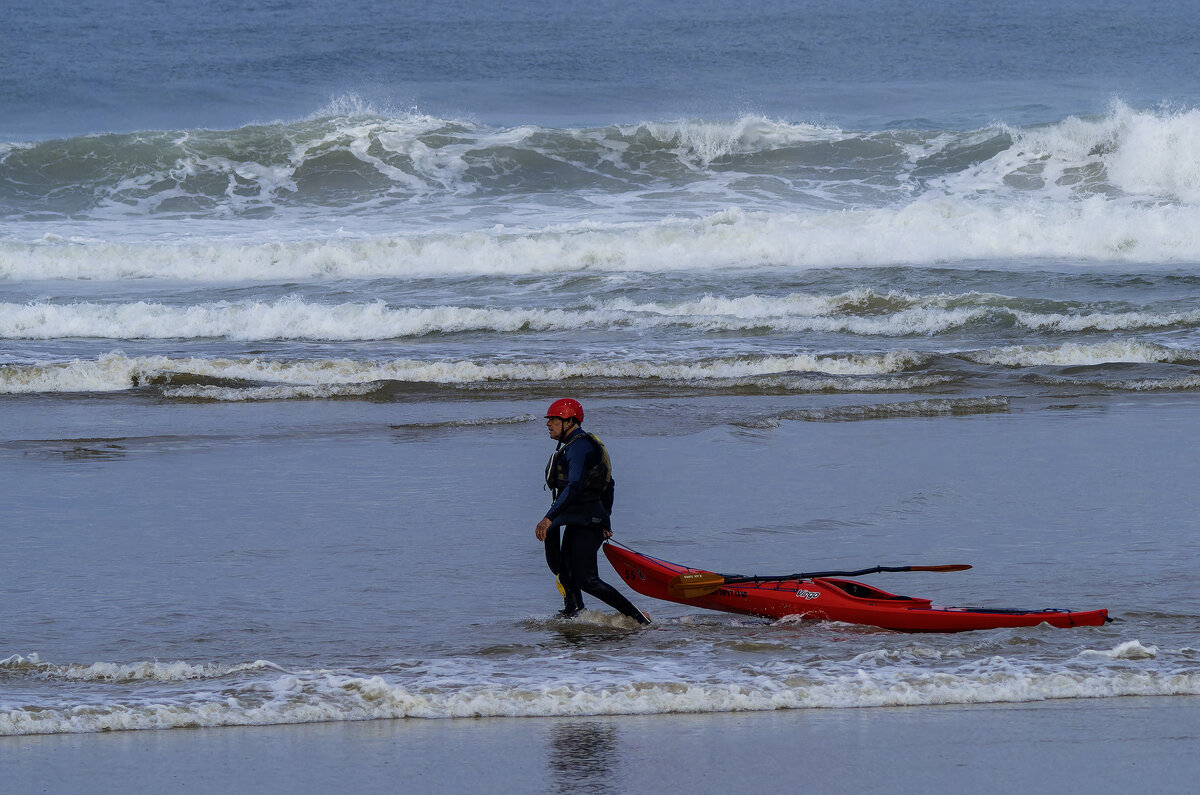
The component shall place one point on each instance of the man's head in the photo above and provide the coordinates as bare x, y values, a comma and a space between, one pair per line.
562, 417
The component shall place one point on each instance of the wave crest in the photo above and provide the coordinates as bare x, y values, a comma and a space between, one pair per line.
311, 696
145, 671
923, 232
408, 164
193, 377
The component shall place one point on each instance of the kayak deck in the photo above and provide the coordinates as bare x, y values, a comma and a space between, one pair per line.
833, 599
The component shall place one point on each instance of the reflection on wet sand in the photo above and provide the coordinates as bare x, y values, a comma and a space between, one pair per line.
583, 756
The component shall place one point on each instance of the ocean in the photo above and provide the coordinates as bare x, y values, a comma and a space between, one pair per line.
285, 290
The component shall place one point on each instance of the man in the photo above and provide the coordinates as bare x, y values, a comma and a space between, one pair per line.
579, 475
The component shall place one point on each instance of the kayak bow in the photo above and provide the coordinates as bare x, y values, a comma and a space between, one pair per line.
830, 599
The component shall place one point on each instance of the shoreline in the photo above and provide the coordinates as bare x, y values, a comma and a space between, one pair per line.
1062, 745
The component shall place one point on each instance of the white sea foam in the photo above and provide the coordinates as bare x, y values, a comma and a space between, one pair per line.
1076, 354
130, 672
289, 318
1144, 153
1129, 650
326, 696
1123, 188
271, 379
1124, 154
1128, 385
294, 318
931, 230
116, 372
699, 143
1100, 321
230, 394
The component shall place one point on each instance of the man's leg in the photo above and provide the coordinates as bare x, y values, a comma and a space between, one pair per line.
572, 596
579, 547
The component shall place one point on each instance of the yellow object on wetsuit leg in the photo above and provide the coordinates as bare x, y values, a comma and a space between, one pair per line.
558, 584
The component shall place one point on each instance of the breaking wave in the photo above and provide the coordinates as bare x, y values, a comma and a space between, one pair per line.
275, 696
861, 312
350, 155
117, 372
925, 232
356, 194
257, 378
151, 671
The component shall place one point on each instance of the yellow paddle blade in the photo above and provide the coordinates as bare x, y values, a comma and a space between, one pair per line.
693, 584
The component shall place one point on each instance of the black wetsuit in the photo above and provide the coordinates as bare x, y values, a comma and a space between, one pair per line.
583, 496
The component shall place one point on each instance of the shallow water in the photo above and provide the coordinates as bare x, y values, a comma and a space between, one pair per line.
332, 565
275, 339
981, 748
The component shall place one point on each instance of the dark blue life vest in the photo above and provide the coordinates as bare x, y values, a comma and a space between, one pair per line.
597, 478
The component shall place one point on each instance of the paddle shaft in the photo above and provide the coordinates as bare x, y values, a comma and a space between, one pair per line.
811, 574
701, 583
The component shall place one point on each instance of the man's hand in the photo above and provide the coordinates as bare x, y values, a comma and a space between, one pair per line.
543, 527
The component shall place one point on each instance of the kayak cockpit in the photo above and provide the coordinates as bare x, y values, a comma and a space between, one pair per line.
863, 591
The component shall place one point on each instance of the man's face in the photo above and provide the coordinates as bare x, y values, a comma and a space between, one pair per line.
557, 427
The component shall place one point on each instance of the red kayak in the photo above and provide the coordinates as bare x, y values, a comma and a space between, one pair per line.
825, 598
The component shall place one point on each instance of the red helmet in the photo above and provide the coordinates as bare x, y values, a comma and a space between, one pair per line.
566, 409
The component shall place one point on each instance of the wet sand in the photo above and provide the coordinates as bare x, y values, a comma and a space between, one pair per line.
1094, 746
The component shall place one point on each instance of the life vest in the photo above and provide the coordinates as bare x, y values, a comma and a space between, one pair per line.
597, 480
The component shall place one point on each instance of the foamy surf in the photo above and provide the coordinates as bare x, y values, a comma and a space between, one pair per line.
351, 156
294, 318
926, 231
273, 698
116, 371
145, 671
259, 378
1074, 354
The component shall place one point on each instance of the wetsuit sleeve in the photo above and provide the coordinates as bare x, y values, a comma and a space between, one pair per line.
576, 455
